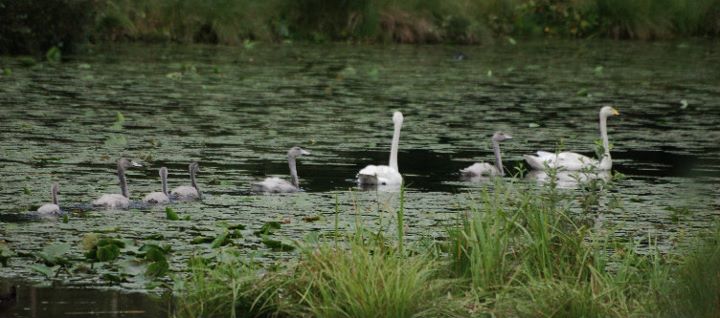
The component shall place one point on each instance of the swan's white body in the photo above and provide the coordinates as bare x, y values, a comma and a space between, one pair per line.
483, 169
159, 197
188, 193
118, 201
112, 201
277, 185
379, 175
373, 175
571, 161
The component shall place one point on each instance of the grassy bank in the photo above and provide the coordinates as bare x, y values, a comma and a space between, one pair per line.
33, 25
517, 252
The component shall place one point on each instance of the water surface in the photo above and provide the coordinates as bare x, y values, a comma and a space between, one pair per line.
237, 111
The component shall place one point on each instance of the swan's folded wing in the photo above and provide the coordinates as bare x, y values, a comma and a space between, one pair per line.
575, 161
370, 170
379, 175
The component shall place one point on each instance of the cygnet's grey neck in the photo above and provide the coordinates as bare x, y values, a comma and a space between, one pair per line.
54, 191
293, 172
123, 181
163, 180
193, 182
498, 159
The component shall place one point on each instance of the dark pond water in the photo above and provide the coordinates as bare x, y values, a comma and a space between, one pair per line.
237, 111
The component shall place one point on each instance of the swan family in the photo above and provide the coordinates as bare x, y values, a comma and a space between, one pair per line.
372, 175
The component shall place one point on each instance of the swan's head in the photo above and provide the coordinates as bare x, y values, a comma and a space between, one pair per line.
500, 136
397, 118
608, 111
194, 167
55, 188
296, 151
163, 172
126, 163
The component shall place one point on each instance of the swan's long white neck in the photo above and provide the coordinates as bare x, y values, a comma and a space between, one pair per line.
293, 172
498, 159
604, 136
53, 190
123, 181
395, 145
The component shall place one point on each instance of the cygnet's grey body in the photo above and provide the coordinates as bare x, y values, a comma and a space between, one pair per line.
277, 185
51, 209
484, 169
188, 193
118, 201
159, 197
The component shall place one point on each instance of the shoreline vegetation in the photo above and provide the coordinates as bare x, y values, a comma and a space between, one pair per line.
36, 26
517, 251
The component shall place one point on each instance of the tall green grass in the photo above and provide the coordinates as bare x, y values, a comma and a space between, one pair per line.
231, 286
526, 254
694, 290
363, 281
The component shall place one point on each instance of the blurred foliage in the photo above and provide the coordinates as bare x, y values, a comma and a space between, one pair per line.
36, 26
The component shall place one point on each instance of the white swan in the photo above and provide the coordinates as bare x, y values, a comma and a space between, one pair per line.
277, 185
51, 209
483, 169
385, 175
573, 161
188, 193
118, 201
159, 197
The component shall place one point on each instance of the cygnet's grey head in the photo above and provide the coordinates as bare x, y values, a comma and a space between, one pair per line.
608, 111
296, 152
500, 136
194, 167
163, 172
126, 163
55, 188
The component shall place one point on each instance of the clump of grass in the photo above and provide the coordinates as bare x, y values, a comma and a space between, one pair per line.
695, 288
361, 281
230, 287
526, 254
520, 251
